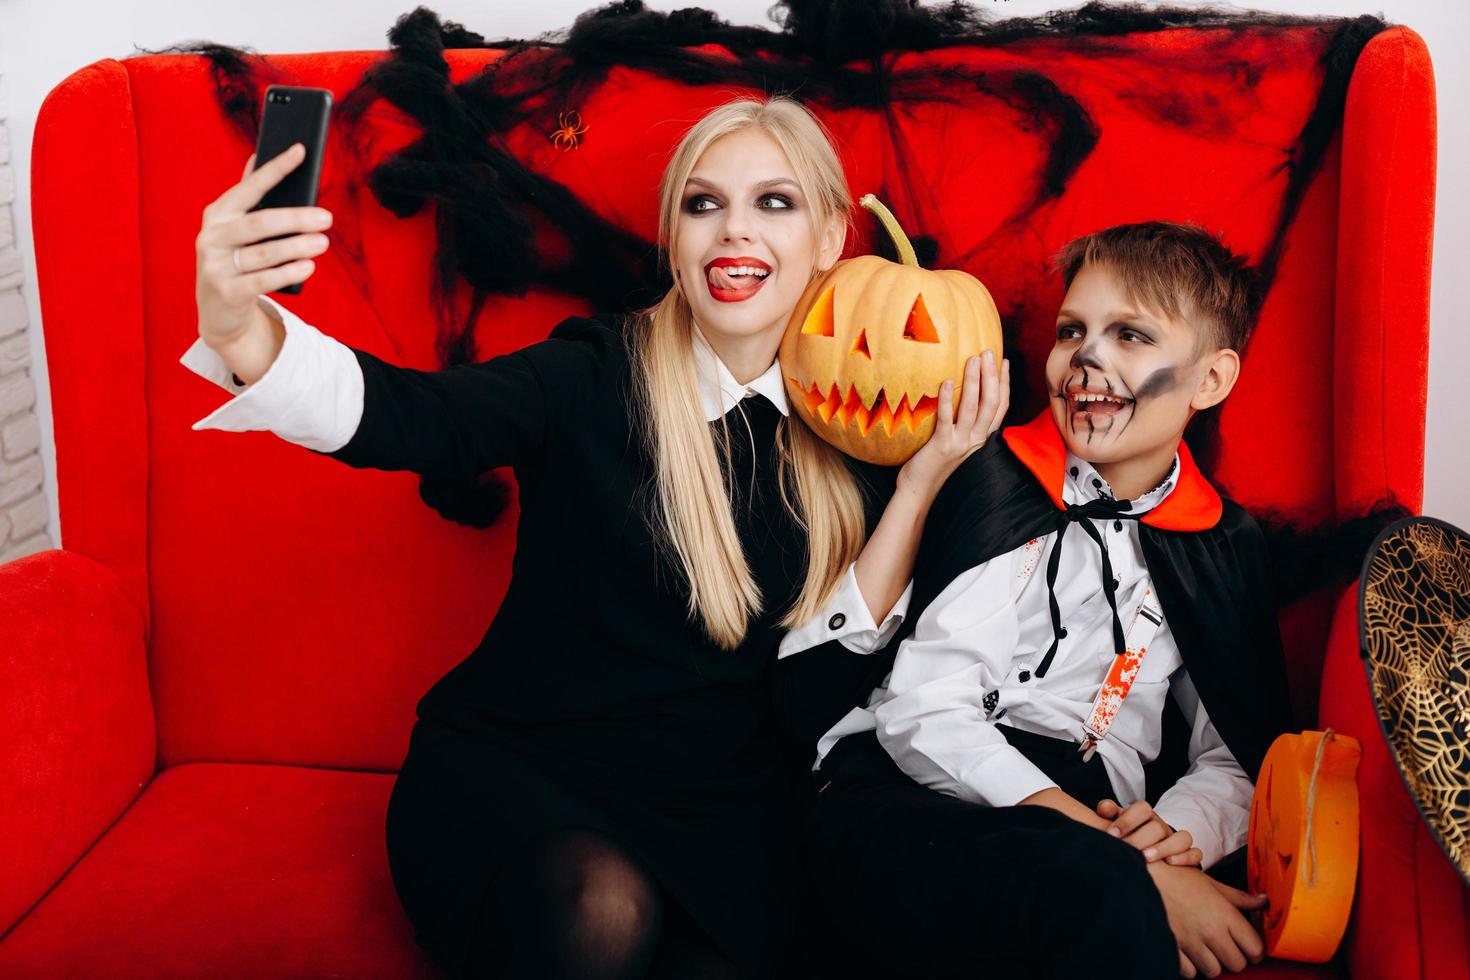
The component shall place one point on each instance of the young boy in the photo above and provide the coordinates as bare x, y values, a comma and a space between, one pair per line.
1089, 623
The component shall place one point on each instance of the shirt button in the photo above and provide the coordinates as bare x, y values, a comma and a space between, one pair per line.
836, 622
1117, 525
1062, 634
1024, 676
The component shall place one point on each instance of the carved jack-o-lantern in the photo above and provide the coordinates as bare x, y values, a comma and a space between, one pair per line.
871, 341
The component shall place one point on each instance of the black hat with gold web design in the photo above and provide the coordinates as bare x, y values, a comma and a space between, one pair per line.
1414, 622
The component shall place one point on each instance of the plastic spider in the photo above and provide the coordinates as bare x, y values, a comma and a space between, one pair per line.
570, 131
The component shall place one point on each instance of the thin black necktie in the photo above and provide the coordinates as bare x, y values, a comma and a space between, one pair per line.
1082, 514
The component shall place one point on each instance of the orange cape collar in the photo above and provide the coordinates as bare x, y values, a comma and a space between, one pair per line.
1193, 505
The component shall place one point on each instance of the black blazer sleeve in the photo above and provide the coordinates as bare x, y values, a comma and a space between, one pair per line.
474, 417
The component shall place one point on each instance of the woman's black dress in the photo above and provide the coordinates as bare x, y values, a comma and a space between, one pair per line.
593, 700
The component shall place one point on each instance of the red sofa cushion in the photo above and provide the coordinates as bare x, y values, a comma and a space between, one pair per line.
230, 870
249, 871
76, 722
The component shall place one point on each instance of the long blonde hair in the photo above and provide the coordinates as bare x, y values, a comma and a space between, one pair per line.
690, 506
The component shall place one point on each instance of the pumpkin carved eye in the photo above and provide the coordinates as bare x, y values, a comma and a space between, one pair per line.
819, 319
920, 326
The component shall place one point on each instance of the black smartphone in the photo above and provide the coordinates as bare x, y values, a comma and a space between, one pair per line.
293, 115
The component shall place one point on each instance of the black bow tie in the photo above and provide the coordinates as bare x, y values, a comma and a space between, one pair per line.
1083, 514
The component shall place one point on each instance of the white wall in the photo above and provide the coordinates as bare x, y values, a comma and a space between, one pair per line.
42, 41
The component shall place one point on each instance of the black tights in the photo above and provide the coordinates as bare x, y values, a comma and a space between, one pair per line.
576, 906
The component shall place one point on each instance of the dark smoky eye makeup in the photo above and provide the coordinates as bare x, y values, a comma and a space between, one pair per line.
691, 203
1132, 334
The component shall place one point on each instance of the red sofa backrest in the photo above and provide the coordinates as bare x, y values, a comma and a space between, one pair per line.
299, 608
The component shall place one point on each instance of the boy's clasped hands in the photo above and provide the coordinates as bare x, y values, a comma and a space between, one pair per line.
1206, 916
1139, 825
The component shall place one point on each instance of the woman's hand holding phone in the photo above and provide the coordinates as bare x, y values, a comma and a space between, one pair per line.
234, 266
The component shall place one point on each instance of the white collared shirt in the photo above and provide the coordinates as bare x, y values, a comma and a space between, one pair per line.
988, 631
718, 389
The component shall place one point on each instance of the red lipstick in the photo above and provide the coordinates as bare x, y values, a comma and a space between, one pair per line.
734, 289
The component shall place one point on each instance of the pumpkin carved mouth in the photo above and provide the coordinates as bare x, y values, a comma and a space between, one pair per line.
835, 408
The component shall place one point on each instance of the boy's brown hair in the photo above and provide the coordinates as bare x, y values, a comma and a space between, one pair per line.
1176, 269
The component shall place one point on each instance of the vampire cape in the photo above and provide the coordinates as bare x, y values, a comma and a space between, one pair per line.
1206, 558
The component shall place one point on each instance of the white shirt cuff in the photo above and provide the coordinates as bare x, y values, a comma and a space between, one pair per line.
847, 619
1212, 831
1005, 778
312, 394
857, 720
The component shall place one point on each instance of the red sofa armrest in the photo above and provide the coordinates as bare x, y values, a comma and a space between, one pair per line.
1385, 234
1411, 914
76, 717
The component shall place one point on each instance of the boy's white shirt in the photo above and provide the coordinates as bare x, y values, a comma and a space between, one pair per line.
991, 626
312, 395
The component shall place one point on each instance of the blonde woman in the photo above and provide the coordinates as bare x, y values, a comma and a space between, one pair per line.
597, 790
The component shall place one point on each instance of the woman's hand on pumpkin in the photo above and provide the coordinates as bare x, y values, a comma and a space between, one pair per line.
985, 396
233, 266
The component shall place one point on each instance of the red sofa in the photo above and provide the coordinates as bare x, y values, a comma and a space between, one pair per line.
208, 689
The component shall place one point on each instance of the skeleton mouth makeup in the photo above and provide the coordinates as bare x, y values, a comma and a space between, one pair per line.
1091, 402
732, 280
1095, 412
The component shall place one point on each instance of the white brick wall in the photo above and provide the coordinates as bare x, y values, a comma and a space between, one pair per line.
23, 508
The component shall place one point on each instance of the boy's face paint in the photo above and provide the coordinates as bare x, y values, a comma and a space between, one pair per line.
1121, 378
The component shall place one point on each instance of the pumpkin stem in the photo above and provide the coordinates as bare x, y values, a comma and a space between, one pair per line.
890, 225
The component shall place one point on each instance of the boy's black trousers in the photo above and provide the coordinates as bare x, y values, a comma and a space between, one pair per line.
907, 882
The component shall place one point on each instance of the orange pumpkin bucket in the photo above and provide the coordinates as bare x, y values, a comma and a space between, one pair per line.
871, 341
1303, 843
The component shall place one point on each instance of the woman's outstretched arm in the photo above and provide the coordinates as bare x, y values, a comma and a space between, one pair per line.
293, 380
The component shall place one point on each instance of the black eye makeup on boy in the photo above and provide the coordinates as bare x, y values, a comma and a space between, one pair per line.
1132, 332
